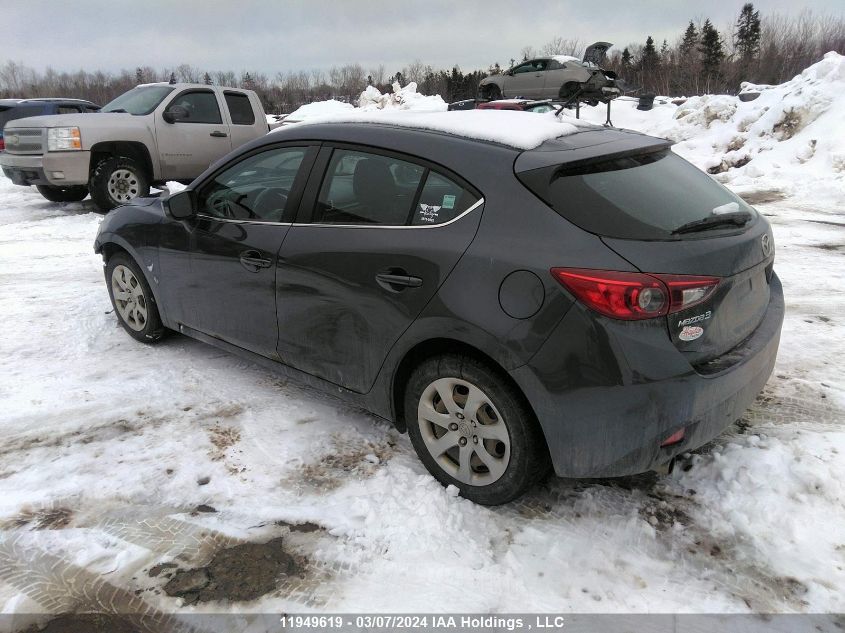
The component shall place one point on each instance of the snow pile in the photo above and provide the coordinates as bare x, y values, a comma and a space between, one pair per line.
509, 127
318, 108
791, 137
402, 98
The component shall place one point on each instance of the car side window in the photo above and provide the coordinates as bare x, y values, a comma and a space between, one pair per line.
441, 200
65, 109
240, 108
201, 106
555, 65
255, 189
364, 188
526, 67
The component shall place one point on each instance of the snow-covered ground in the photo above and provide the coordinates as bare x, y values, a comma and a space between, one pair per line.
117, 457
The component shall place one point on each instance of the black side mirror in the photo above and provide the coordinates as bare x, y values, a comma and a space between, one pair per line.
175, 113
182, 205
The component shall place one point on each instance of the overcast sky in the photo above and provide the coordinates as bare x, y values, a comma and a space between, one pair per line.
272, 36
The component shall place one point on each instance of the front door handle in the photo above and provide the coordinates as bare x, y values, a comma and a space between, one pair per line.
253, 261
219, 134
397, 280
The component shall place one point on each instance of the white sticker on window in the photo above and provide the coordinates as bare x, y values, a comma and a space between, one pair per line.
429, 213
448, 202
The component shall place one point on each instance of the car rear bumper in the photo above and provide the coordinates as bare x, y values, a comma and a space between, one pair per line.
58, 169
608, 393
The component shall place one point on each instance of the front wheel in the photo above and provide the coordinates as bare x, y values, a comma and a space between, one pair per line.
133, 300
74, 193
118, 180
472, 429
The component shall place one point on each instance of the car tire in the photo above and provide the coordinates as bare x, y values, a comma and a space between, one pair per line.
118, 180
491, 93
568, 89
73, 193
494, 451
137, 312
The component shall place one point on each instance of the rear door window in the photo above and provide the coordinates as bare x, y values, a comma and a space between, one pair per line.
364, 188
373, 189
441, 201
239, 108
641, 197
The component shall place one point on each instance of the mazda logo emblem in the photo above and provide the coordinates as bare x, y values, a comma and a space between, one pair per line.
766, 243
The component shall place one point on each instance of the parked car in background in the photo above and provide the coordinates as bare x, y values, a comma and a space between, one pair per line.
147, 136
11, 109
554, 77
522, 105
595, 304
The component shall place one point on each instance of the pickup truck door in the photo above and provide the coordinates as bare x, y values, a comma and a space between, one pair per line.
192, 142
246, 117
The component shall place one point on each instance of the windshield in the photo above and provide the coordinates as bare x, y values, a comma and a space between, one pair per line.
645, 197
140, 100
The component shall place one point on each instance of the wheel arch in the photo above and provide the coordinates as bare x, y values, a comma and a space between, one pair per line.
428, 348
115, 244
130, 149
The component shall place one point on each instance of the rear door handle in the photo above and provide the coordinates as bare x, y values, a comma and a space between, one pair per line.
398, 280
219, 134
253, 261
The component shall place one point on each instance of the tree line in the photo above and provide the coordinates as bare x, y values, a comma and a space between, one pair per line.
759, 48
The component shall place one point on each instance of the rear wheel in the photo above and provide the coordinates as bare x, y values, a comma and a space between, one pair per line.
63, 194
472, 429
132, 299
118, 180
491, 93
568, 89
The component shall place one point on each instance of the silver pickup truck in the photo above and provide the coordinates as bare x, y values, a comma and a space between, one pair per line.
147, 136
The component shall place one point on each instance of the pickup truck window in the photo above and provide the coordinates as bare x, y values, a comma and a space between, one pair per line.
139, 101
201, 106
239, 108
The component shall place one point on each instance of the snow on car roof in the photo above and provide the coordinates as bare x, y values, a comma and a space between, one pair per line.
521, 130
565, 58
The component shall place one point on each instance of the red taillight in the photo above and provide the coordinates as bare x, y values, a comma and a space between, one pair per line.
676, 437
634, 296
2, 144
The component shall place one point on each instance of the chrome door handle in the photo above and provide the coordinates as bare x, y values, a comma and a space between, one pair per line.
253, 261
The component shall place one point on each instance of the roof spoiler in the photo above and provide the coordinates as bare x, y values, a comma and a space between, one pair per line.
596, 52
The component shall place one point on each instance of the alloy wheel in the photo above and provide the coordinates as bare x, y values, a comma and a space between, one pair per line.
463, 431
129, 298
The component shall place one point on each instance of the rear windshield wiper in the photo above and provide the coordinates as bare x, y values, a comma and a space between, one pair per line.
737, 218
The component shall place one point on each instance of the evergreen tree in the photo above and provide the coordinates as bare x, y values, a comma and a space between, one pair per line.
207, 79
748, 32
649, 59
139, 75
173, 78
664, 51
712, 53
689, 42
626, 58
247, 82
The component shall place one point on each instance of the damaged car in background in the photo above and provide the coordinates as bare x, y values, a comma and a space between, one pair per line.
560, 77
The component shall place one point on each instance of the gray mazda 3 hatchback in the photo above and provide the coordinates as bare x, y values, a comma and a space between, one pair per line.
593, 304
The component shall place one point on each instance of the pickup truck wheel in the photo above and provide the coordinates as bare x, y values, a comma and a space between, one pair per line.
118, 180
133, 300
63, 194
